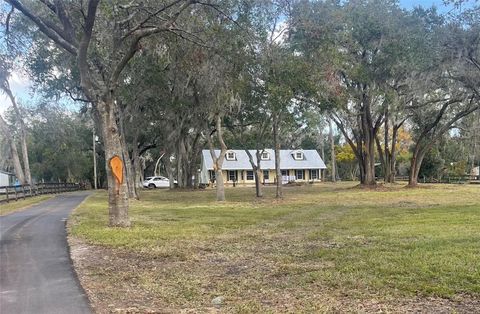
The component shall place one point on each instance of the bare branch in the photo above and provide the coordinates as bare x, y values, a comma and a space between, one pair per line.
49, 5
141, 33
65, 20
69, 92
86, 82
7, 22
48, 30
142, 24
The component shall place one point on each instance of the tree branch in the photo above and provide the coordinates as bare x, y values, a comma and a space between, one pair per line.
141, 33
85, 80
49, 30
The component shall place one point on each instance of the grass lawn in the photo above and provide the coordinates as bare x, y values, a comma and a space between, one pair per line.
323, 248
12, 206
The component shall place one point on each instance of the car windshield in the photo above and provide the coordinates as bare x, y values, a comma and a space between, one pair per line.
148, 178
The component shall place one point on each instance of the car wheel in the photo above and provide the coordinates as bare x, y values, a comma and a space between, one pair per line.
152, 186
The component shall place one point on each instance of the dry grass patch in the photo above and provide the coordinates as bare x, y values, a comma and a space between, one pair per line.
323, 248
13, 206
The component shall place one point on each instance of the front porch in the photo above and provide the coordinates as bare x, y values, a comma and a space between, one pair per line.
247, 177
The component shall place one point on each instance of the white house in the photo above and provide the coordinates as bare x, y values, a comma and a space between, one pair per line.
296, 165
6, 178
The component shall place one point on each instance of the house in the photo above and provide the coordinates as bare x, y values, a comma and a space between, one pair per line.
296, 165
475, 173
6, 178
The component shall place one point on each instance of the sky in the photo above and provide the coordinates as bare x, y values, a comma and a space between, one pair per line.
410, 4
21, 85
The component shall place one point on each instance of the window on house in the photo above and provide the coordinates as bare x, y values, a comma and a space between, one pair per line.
249, 175
298, 155
284, 172
232, 175
314, 174
241, 175
300, 174
230, 156
266, 175
265, 156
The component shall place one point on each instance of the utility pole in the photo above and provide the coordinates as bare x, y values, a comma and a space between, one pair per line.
94, 161
321, 141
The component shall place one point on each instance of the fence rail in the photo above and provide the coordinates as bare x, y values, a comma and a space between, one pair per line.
16, 192
473, 179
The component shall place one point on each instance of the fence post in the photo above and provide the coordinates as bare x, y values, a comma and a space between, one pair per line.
6, 192
23, 190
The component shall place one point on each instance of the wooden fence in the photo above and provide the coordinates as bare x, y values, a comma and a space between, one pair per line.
444, 179
14, 193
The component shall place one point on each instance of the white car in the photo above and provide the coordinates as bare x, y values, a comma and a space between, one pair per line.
156, 182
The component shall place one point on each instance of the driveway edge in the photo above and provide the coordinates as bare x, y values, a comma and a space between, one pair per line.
73, 246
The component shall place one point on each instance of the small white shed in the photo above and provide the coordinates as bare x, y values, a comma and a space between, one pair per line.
6, 178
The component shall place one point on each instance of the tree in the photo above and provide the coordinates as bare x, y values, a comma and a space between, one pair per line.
347, 163
17, 166
447, 93
360, 57
61, 145
25, 175
100, 40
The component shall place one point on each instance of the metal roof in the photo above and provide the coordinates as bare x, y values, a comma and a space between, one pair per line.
311, 160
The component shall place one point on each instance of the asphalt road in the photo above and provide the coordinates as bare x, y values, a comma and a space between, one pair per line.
36, 273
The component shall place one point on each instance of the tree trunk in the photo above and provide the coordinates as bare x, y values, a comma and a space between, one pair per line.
137, 167
129, 173
218, 160
26, 163
23, 135
13, 152
182, 166
322, 151
178, 169
258, 185
332, 151
256, 171
369, 159
117, 191
383, 157
416, 164
392, 155
169, 170
220, 185
276, 140
195, 151
367, 140
370, 167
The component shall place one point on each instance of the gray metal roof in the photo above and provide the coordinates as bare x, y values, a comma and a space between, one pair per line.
311, 160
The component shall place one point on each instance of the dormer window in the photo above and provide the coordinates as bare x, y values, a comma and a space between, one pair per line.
265, 156
298, 155
230, 156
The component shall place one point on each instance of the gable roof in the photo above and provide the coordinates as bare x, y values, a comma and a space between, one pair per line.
311, 160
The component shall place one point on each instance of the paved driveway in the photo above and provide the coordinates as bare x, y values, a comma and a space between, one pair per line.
36, 273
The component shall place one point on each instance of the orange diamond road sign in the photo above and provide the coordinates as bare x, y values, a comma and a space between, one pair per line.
116, 164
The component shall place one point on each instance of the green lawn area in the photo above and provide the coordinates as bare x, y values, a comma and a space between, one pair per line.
12, 206
327, 247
